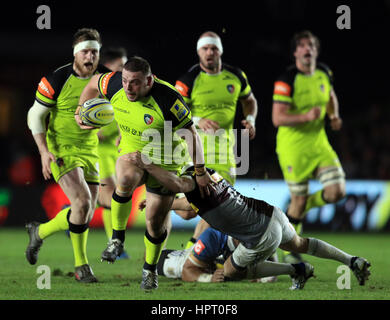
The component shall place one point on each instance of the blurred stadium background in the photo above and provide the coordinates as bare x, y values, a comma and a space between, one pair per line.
256, 38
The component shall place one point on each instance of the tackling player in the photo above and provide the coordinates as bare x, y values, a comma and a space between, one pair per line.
302, 97
68, 153
212, 90
146, 107
260, 227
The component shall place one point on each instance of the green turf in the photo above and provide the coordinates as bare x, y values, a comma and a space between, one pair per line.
121, 280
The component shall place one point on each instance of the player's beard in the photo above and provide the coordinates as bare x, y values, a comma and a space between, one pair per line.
86, 68
210, 65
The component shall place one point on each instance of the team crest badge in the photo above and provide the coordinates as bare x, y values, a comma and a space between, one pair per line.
230, 88
148, 119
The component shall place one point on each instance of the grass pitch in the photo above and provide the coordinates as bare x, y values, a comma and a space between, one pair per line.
121, 280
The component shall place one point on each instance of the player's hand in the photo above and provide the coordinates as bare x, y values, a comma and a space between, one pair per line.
137, 159
218, 276
142, 204
251, 129
79, 122
46, 158
336, 123
205, 184
313, 114
208, 125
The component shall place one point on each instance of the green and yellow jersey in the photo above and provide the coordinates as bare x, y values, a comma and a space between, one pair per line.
215, 97
304, 147
60, 91
149, 125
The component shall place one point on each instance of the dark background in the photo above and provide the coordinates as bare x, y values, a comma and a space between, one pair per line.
256, 38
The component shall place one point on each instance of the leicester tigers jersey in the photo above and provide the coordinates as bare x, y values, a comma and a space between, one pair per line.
60, 91
149, 124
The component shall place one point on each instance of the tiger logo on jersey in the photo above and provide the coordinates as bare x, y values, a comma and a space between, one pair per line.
230, 88
148, 119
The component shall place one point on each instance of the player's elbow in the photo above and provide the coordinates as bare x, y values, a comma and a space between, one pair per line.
276, 120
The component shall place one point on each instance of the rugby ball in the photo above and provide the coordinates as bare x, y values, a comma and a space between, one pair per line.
96, 112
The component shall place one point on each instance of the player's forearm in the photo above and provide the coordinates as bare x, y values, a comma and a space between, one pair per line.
181, 204
332, 108
40, 141
195, 147
168, 179
281, 116
249, 106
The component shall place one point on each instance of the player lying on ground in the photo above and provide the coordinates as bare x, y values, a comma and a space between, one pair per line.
260, 227
199, 262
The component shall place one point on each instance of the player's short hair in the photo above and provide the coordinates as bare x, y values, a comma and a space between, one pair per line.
305, 34
136, 64
110, 54
85, 34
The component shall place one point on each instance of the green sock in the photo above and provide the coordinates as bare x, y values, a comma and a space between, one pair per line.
315, 200
58, 223
79, 243
153, 247
107, 222
120, 211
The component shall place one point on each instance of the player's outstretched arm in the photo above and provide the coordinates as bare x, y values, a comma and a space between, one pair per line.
197, 270
168, 179
195, 149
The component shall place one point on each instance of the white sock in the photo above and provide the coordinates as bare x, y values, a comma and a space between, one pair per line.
268, 269
322, 249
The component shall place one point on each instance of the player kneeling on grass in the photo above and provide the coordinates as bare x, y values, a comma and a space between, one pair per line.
260, 227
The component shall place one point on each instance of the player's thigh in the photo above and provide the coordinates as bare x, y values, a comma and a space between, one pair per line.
297, 170
74, 185
267, 245
128, 175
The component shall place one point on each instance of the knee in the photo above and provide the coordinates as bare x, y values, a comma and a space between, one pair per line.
334, 194
83, 205
297, 204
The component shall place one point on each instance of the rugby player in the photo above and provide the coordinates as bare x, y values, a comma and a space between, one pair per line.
200, 261
146, 107
68, 154
260, 227
212, 90
302, 97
